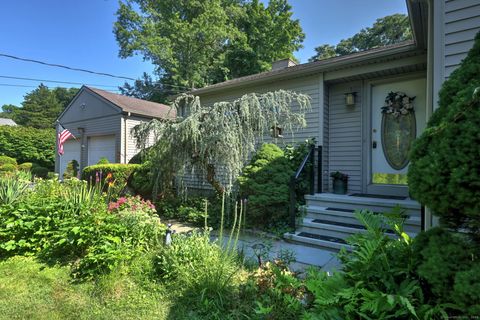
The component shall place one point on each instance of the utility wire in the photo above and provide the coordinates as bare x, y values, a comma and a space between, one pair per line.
30, 86
79, 69
64, 67
56, 81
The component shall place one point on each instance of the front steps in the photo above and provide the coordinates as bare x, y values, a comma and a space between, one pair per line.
330, 218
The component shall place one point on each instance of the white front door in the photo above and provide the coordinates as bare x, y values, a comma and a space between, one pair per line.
99, 147
391, 136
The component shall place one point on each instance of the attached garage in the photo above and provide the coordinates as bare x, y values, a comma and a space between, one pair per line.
101, 147
71, 150
101, 122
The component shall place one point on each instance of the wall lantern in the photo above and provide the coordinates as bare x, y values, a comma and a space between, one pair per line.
277, 132
350, 99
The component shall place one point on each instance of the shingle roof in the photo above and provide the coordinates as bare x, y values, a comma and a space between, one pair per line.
7, 122
137, 106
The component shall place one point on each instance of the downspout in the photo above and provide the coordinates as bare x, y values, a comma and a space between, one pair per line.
125, 136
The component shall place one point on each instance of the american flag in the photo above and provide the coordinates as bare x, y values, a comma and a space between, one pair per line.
63, 135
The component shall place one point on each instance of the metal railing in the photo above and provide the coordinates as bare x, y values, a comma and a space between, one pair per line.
309, 159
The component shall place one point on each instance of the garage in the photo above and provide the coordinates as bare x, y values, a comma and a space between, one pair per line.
101, 146
71, 150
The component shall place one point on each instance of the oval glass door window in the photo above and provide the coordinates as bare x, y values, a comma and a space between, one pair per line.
398, 134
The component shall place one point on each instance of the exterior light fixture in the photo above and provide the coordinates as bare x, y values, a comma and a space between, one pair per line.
350, 99
277, 132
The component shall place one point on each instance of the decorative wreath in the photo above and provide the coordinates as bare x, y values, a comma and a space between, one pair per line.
398, 103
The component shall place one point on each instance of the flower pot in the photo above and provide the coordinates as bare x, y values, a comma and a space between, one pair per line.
340, 186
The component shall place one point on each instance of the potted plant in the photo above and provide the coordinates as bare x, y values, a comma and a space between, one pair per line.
340, 182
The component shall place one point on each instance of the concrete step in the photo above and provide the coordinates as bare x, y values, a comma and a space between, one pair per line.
348, 216
315, 241
411, 207
338, 230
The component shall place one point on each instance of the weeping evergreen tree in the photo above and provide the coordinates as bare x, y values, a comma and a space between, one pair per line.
216, 141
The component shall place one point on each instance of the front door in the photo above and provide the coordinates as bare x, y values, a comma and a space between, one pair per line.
398, 115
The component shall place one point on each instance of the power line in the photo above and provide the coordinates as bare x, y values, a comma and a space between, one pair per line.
56, 81
64, 67
81, 70
30, 86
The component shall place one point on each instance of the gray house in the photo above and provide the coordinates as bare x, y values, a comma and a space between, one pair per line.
7, 122
101, 122
354, 135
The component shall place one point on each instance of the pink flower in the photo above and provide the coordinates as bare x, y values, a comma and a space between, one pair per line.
122, 200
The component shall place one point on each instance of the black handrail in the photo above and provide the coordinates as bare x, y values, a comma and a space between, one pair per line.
310, 157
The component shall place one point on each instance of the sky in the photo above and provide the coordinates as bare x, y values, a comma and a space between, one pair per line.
80, 34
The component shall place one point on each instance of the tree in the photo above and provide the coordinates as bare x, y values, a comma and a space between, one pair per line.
40, 107
385, 31
444, 173
217, 138
194, 43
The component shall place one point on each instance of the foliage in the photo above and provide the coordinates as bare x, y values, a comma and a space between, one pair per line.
337, 175
378, 279
278, 292
28, 144
195, 43
219, 137
69, 223
39, 171
385, 31
7, 160
141, 181
103, 160
8, 168
12, 187
265, 181
443, 173
40, 107
444, 260
72, 170
26, 166
114, 175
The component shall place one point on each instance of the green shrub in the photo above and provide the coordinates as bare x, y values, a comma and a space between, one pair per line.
40, 172
26, 166
8, 167
27, 144
141, 156
71, 171
141, 181
466, 290
103, 160
265, 181
443, 173
119, 172
190, 210
7, 160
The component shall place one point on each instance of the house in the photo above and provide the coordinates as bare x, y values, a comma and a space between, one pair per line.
101, 122
356, 137
7, 122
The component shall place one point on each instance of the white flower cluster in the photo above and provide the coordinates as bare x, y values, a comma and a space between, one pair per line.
398, 103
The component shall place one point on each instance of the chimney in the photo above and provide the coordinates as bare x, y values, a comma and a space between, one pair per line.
282, 64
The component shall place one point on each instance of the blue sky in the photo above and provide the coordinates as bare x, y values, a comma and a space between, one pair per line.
79, 34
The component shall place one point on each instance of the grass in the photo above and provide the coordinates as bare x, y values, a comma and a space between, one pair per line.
31, 290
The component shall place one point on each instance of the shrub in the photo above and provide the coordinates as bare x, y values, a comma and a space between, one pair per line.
7, 160
71, 171
8, 167
443, 173
103, 160
141, 156
191, 209
265, 181
98, 173
141, 181
40, 172
26, 166
28, 144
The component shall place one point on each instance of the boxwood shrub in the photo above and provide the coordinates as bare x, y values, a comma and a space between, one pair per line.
120, 172
7, 160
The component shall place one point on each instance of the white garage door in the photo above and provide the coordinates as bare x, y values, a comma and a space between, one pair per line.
71, 151
99, 147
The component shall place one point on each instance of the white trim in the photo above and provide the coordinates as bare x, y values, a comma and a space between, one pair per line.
438, 67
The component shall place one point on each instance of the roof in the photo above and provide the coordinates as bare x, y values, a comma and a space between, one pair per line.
345, 61
7, 122
137, 106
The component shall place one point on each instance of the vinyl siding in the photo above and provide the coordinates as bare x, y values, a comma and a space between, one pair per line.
326, 140
130, 149
461, 24
345, 135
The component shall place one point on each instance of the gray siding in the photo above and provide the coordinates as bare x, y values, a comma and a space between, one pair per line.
97, 117
345, 135
129, 148
326, 135
461, 23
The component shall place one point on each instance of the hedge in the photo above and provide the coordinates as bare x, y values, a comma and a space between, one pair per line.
120, 172
7, 160
27, 144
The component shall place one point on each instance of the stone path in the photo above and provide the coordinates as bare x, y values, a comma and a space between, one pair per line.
305, 256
